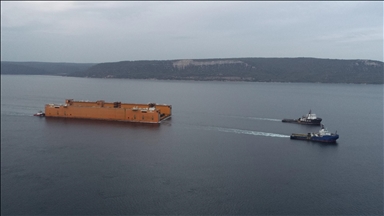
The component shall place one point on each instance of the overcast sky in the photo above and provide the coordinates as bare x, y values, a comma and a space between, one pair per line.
94, 32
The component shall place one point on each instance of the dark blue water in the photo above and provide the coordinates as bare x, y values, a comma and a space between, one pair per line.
224, 151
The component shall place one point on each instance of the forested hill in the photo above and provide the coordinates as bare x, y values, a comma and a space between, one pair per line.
231, 69
42, 68
245, 69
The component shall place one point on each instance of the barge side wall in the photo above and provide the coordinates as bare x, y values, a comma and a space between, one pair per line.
102, 113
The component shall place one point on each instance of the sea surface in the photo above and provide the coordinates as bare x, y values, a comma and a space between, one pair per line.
225, 150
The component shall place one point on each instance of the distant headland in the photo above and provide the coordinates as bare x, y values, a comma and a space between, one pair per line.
310, 70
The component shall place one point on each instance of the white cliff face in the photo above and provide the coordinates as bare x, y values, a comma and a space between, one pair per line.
368, 63
181, 64
371, 63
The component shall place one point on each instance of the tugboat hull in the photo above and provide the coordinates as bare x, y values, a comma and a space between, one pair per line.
310, 137
308, 119
39, 114
316, 121
322, 136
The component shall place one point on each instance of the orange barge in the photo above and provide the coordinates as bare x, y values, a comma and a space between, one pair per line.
117, 111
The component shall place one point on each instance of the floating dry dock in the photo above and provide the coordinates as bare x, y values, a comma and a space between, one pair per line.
115, 111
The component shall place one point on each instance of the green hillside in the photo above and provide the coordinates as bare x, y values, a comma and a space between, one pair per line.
245, 69
230, 69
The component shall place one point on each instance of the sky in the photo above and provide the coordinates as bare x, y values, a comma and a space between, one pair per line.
108, 31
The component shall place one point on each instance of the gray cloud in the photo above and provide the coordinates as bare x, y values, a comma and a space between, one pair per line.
116, 31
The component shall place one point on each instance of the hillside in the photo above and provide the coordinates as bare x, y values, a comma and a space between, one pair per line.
233, 69
42, 68
245, 69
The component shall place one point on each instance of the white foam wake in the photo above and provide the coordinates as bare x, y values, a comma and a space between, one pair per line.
16, 114
255, 133
265, 119
255, 118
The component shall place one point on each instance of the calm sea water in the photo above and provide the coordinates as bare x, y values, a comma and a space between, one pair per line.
224, 151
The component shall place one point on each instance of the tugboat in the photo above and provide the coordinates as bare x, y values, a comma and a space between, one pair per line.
322, 136
309, 119
40, 114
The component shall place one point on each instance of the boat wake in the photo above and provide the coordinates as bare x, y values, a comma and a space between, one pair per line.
255, 133
256, 118
16, 114
265, 119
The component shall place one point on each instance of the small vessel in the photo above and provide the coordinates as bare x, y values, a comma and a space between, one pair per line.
309, 119
322, 136
40, 114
